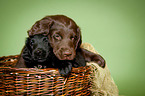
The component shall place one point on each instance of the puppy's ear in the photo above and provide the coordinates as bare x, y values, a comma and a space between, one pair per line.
26, 51
45, 26
79, 38
41, 27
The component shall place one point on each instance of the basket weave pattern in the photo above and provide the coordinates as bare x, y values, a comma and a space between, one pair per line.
41, 82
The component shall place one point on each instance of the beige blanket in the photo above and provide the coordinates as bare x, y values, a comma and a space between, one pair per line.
103, 83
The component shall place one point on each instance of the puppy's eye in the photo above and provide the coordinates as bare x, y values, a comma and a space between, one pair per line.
57, 37
45, 39
73, 38
32, 42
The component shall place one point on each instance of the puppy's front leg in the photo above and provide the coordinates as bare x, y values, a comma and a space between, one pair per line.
65, 68
90, 56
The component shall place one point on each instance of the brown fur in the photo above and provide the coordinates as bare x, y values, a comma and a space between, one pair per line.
65, 38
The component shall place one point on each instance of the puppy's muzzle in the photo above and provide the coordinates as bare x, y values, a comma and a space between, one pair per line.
39, 54
66, 54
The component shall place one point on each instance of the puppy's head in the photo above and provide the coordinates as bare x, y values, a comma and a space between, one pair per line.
37, 47
63, 32
65, 37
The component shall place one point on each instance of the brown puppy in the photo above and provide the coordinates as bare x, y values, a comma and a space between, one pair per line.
65, 38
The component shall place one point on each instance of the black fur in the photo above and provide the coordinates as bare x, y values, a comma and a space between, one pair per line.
38, 53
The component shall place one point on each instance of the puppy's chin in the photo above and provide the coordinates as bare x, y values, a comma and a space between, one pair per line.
38, 59
66, 58
61, 57
41, 60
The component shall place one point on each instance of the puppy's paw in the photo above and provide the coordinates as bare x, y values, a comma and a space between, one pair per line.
65, 70
100, 61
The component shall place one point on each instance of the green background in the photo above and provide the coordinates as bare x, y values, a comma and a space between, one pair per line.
116, 28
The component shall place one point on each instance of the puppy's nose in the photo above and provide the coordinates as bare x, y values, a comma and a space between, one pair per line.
67, 53
39, 52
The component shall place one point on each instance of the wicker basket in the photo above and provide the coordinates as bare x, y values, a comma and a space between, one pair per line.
41, 82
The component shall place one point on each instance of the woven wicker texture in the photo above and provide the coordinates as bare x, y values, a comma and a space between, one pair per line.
41, 82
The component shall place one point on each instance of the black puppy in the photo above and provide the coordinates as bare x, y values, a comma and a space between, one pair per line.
37, 52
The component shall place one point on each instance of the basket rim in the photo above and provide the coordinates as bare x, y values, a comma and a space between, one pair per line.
76, 70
